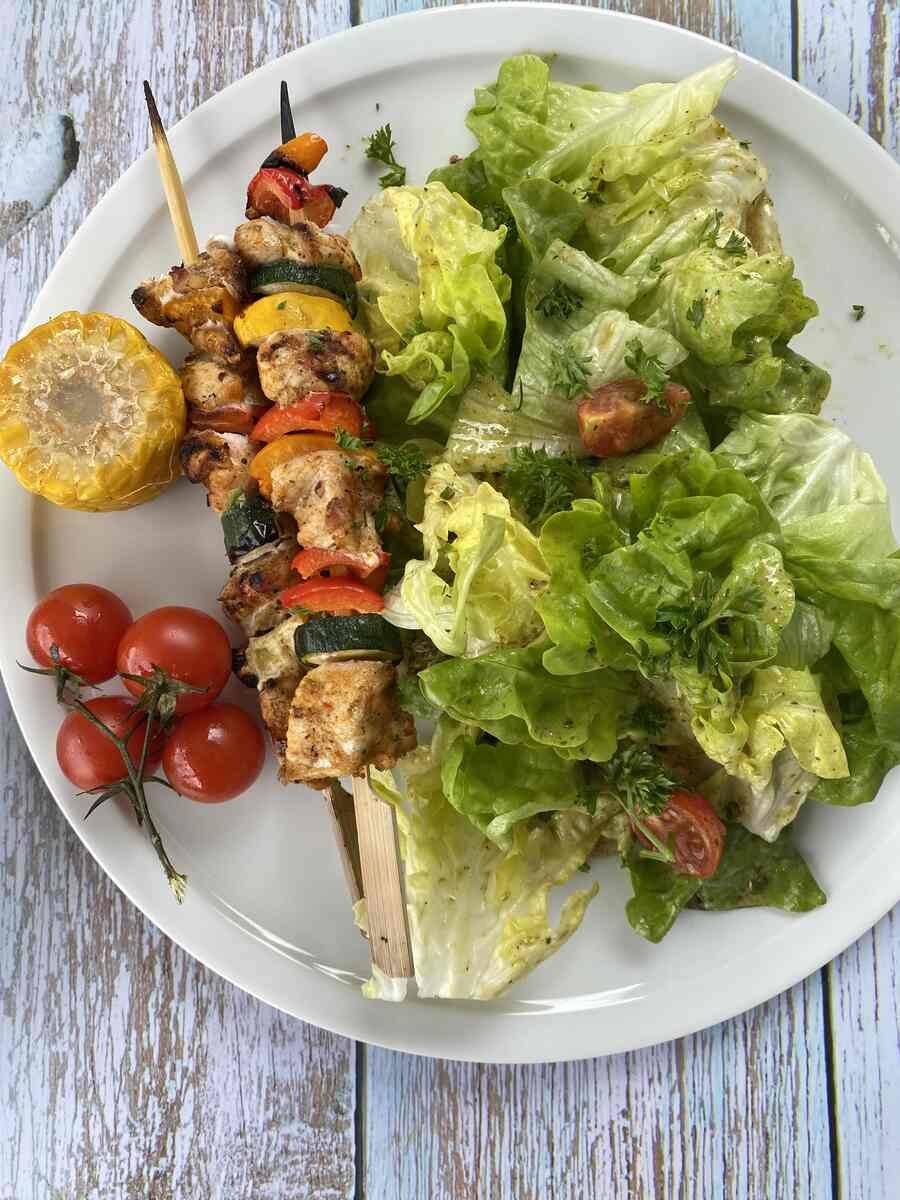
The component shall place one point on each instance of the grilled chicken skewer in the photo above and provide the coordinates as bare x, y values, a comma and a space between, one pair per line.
334, 717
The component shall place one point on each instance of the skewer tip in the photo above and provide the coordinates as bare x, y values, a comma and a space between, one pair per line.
288, 129
156, 124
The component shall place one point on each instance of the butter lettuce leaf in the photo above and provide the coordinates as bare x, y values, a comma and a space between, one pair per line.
432, 294
752, 873
497, 786
510, 695
477, 586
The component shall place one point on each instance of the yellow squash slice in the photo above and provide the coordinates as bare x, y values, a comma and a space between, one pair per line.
289, 310
91, 415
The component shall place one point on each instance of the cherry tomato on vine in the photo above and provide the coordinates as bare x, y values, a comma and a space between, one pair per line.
691, 826
87, 758
85, 623
186, 643
214, 754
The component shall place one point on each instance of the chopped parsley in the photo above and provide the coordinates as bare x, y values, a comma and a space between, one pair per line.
380, 148
495, 215
560, 302
858, 310
542, 484
569, 373
697, 629
650, 371
696, 311
346, 440
649, 718
281, 306
735, 245
712, 229
636, 778
745, 145
405, 463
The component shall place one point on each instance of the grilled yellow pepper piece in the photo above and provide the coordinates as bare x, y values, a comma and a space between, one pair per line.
289, 310
91, 414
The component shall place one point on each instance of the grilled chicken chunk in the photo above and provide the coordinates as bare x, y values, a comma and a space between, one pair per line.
275, 697
250, 597
344, 716
333, 498
221, 397
264, 241
615, 419
220, 461
294, 362
210, 291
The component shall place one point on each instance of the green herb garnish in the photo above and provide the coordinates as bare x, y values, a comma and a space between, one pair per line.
560, 302
636, 778
650, 371
380, 148
542, 484
695, 312
405, 463
735, 245
346, 440
858, 310
569, 373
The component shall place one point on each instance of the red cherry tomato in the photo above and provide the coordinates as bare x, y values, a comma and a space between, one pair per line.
691, 826
215, 754
186, 643
88, 758
85, 623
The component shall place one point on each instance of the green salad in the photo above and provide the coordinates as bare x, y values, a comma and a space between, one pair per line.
649, 597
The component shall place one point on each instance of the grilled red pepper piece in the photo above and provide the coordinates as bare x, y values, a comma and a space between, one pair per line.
340, 594
312, 561
289, 197
325, 411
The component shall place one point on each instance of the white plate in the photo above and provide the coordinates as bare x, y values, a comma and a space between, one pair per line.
266, 906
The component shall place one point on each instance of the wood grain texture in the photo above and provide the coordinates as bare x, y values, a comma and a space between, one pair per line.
849, 53
758, 27
127, 1070
735, 1112
379, 856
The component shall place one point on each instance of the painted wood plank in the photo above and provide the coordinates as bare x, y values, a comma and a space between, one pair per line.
126, 1068
849, 53
736, 1112
761, 28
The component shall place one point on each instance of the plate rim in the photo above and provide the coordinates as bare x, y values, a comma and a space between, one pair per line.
359, 1021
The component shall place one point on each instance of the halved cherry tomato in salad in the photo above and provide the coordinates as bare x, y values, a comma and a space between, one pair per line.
340, 594
693, 830
312, 561
323, 411
85, 623
87, 757
283, 449
186, 643
215, 754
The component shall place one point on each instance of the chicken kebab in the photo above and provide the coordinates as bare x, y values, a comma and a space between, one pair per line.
274, 385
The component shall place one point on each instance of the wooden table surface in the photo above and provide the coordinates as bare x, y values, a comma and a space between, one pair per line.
127, 1070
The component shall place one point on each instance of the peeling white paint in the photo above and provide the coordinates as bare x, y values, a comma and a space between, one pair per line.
36, 158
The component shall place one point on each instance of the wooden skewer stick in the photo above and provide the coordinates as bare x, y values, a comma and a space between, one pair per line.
171, 181
368, 847
382, 880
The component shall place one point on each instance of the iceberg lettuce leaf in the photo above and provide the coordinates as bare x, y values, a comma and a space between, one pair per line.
479, 915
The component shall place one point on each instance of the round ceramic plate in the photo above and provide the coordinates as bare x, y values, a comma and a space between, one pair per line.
266, 906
